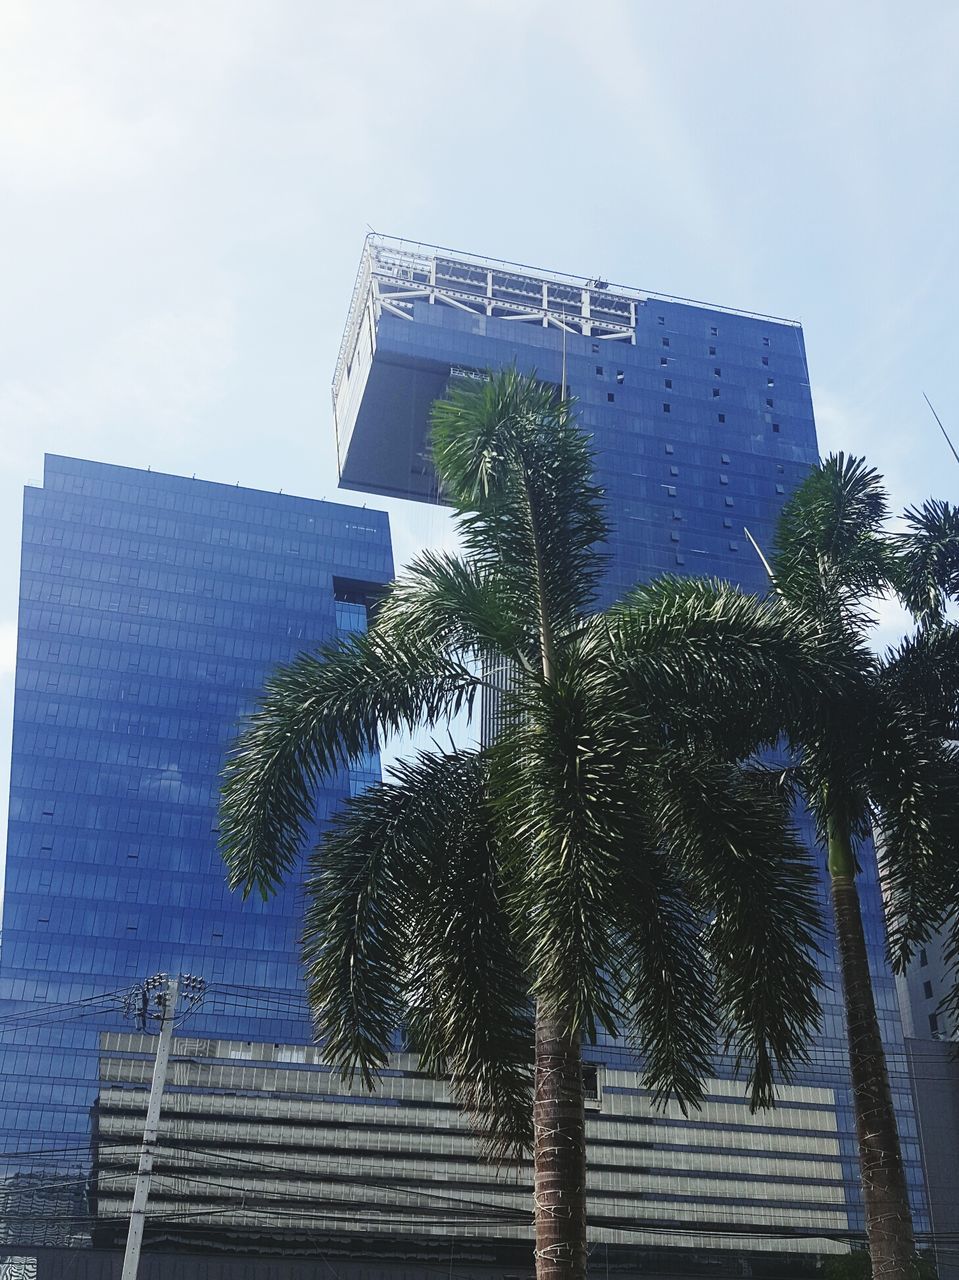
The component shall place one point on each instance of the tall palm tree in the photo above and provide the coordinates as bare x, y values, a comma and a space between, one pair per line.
606, 865
878, 756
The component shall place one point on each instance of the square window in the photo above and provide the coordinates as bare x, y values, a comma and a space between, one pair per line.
712, 351
724, 457
733, 545
665, 342
724, 479
674, 537
769, 403
727, 523
718, 372
765, 360
923, 958
770, 382
714, 331
729, 502
680, 559
674, 470
660, 319
599, 370
780, 488
668, 384
715, 393
670, 490
927, 990
776, 427
780, 468
677, 514
666, 408
595, 348
722, 417
610, 396
663, 360
620, 376
670, 449
765, 342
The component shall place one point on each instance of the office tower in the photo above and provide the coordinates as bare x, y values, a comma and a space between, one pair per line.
152, 610
702, 422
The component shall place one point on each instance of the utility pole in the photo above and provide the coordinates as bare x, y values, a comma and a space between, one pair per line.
162, 991
165, 990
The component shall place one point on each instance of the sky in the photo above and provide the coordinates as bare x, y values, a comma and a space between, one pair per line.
185, 189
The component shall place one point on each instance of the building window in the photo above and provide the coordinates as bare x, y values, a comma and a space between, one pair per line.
663, 360
776, 427
668, 384
666, 408
715, 393
923, 958
595, 348
718, 372
599, 371
677, 514
722, 417
674, 537
770, 382
610, 396
729, 502
674, 471
680, 559
733, 545
669, 448
927, 990
665, 342
724, 479
766, 360
724, 458
727, 523
670, 490
780, 488
712, 351
660, 319
713, 331
934, 1023
620, 376
769, 403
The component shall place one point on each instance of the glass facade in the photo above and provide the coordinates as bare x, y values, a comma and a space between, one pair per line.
152, 609
702, 423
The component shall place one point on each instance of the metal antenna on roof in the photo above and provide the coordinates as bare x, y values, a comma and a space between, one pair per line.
941, 427
562, 394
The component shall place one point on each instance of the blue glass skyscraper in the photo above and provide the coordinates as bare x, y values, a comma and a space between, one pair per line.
701, 418
152, 610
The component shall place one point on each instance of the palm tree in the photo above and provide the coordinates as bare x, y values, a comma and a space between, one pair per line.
606, 865
879, 757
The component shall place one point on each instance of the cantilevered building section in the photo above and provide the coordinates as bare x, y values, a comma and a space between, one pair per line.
702, 422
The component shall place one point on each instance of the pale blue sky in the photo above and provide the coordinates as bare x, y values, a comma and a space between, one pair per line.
184, 190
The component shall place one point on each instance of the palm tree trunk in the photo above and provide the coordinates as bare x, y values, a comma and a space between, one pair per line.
892, 1247
559, 1153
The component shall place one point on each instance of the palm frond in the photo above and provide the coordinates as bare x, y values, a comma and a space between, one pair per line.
316, 715
729, 833
461, 607
922, 672
929, 560
558, 779
914, 790
518, 471
832, 552
406, 926
665, 980
708, 659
